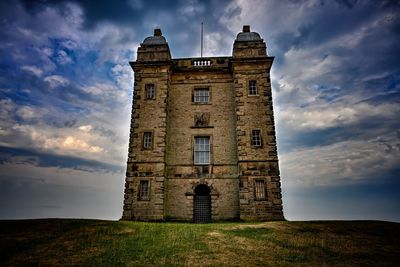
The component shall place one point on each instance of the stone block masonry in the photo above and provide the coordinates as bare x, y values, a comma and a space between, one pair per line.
203, 127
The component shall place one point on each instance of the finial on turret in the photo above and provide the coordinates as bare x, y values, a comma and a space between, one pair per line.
246, 28
157, 32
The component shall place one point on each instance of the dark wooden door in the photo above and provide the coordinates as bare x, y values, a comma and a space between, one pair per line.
202, 209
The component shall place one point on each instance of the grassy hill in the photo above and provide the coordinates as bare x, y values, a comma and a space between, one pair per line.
108, 243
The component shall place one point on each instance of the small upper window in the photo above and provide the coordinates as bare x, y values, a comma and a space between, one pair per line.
259, 190
144, 187
201, 95
147, 140
150, 91
253, 88
256, 138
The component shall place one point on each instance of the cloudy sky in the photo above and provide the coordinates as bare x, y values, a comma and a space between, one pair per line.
66, 89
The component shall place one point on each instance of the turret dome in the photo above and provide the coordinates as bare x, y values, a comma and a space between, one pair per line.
247, 35
157, 39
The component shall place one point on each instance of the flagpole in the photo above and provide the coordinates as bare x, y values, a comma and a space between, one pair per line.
201, 49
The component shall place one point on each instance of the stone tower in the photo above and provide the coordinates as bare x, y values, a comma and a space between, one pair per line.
202, 143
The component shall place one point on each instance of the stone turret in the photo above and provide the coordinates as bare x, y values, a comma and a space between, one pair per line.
154, 48
249, 44
144, 189
260, 193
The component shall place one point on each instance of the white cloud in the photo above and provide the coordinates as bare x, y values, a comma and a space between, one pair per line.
7, 117
56, 81
85, 128
71, 143
63, 58
311, 64
217, 44
334, 115
33, 69
69, 44
4, 131
191, 8
35, 28
109, 93
103, 137
265, 15
102, 130
61, 141
47, 51
115, 43
341, 163
354, 38
100, 89
28, 112
123, 74
7, 107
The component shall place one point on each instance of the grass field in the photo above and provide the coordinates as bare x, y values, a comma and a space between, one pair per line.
57, 242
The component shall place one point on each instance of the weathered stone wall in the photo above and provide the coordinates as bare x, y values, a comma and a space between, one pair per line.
252, 49
148, 115
181, 172
181, 114
154, 53
255, 112
271, 207
224, 198
151, 209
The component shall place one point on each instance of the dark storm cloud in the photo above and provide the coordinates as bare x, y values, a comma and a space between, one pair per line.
41, 159
125, 12
51, 78
378, 32
179, 20
135, 12
363, 130
63, 95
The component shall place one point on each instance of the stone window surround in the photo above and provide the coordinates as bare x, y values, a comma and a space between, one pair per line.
144, 198
145, 90
251, 138
211, 148
264, 196
199, 87
152, 139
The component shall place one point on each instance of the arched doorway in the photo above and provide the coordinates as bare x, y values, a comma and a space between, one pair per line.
202, 204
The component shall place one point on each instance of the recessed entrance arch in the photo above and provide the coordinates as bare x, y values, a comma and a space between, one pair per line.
202, 204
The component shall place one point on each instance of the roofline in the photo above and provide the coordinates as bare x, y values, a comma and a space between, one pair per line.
200, 58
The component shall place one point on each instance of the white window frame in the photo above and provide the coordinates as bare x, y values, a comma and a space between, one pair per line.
253, 87
147, 140
201, 95
150, 91
202, 150
256, 138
